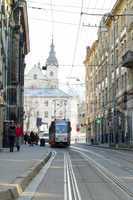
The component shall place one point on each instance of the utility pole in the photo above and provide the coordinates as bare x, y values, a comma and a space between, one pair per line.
54, 101
65, 104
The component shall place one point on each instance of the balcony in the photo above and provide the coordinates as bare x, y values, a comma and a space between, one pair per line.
127, 59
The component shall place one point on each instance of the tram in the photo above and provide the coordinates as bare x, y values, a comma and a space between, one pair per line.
60, 133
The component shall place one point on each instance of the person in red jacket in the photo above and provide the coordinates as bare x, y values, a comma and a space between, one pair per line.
19, 134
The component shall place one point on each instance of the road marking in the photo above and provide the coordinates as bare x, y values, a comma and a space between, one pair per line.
30, 191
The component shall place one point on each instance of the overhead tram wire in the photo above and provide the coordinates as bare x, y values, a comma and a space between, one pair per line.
106, 14
83, 13
70, 6
36, 8
56, 5
55, 10
67, 23
58, 22
77, 36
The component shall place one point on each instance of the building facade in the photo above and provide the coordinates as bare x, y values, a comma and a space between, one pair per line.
109, 78
42, 97
15, 45
45, 104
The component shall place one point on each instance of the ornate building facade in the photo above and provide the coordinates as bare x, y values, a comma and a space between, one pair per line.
14, 47
109, 78
42, 97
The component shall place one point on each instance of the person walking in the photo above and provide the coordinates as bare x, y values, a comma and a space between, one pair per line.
26, 138
36, 138
32, 138
12, 135
19, 134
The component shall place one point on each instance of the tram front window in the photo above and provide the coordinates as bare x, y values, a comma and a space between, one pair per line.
61, 129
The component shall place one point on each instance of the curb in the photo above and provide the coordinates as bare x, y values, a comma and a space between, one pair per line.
14, 189
108, 147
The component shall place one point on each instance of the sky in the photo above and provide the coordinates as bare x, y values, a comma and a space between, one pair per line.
63, 20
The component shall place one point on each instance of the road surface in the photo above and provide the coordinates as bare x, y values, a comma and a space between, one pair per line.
83, 173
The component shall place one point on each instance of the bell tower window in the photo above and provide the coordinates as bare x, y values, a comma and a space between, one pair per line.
51, 73
35, 76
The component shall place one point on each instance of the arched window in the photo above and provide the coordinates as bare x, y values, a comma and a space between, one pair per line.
35, 76
51, 73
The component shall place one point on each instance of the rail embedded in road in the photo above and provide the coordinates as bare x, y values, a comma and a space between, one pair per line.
105, 174
30, 191
71, 190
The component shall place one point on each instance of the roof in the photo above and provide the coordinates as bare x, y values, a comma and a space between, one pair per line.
52, 60
36, 69
45, 92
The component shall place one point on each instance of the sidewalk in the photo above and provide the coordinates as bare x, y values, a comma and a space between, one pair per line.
18, 168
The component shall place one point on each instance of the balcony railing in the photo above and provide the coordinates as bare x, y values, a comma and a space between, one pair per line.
127, 59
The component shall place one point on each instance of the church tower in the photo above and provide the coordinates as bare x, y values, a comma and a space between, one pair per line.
52, 68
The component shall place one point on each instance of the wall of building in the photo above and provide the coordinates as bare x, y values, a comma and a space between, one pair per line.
14, 47
46, 108
109, 85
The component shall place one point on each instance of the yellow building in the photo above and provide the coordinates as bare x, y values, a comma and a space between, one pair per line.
109, 78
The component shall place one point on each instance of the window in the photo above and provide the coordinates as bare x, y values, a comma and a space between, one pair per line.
51, 73
106, 95
116, 57
122, 81
46, 114
132, 35
35, 76
117, 85
61, 128
46, 103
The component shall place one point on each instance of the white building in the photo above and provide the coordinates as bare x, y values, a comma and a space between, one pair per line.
42, 97
47, 104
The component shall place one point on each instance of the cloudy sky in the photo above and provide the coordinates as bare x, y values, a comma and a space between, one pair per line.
63, 19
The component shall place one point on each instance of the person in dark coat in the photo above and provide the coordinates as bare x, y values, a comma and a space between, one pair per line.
32, 138
36, 138
26, 138
12, 135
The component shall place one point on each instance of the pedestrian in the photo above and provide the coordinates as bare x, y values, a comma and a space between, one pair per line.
36, 138
12, 135
92, 141
32, 138
26, 138
19, 134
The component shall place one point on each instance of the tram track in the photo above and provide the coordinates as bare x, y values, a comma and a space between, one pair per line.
81, 176
118, 158
71, 190
106, 175
117, 154
30, 191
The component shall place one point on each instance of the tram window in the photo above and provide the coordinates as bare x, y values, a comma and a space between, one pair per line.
61, 129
